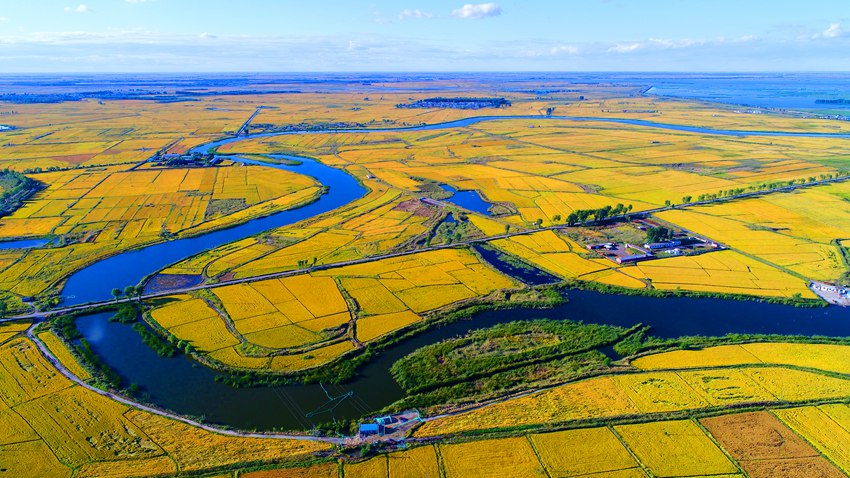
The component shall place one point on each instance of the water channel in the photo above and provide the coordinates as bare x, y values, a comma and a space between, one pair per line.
183, 386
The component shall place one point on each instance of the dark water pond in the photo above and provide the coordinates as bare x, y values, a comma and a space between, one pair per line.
467, 199
24, 243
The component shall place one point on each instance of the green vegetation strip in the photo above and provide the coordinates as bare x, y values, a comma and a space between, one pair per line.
486, 351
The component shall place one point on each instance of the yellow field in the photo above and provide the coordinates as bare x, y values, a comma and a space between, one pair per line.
640, 393
380, 221
675, 448
825, 427
59, 350
373, 468
508, 458
303, 321
98, 212
832, 358
44, 421
754, 235
415, 463
11, 329
329, 470
583, 452
722, 271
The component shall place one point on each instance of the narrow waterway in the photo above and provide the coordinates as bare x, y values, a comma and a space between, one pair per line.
183, 386
95, 282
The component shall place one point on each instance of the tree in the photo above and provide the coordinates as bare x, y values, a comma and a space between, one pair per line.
657, 234
2, 309
556, 218
667, 203
538, 222
116, 293
686, 199
130, 291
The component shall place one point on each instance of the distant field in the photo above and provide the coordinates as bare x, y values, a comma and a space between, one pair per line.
749, 409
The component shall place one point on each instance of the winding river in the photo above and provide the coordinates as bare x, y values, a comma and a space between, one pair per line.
183, 386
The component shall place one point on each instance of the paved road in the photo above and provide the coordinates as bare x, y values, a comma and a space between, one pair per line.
64, 310
247, 123
118, 398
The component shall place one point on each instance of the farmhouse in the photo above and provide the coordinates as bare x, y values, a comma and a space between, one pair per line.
662, 245
632, 258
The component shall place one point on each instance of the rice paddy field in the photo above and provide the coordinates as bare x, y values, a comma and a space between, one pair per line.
767, 443
318, 292
684, 387
52, 427
384, 220
307, 320
97, 212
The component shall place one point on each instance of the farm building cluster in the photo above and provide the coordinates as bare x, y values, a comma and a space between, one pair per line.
674, 243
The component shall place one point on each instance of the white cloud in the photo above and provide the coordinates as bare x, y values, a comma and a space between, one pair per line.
81, 8
833, 31
4, 19
624, 47
480, 10
135, 1
405, 14
207, 35
564, 49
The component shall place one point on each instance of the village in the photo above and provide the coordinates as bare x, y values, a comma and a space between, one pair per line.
644, 239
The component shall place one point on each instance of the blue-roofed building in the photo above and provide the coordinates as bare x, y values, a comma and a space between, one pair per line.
369, 429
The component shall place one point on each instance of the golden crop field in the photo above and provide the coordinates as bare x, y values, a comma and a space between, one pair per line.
59, 350
508, 457
585, 451
329, 470
303, 321
825, 427
831, 358
793, 247
382, 220
675, 448
642, 393
721, 271
11, 329
55, 427
100, 211
764, 447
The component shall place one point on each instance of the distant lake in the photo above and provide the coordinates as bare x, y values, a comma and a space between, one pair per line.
787, 91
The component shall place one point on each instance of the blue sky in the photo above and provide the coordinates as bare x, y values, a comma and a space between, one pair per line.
384, 35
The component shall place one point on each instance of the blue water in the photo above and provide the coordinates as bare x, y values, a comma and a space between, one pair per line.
798, 91
467, 199
24, 243
479, 119
95, 282
176, 383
